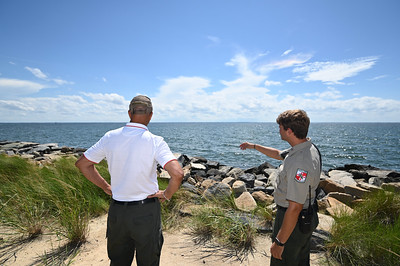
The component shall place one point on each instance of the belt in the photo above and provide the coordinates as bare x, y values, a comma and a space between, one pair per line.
285, 209
282, 208
137, 202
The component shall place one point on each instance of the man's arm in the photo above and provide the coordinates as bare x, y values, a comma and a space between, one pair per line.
270, 152
174, 169
90, 172
287, 227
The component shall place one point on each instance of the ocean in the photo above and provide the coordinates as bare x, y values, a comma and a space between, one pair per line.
376, 144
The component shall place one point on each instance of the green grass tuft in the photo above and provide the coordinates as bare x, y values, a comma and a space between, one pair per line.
371, 235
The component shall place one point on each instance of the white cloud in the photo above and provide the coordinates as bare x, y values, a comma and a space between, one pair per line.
213, 39
62, 82
182, 98
16, 87
107, 98
37, 73
334, 72
287, 52
65, 108
272, 83
104, 79
290, 61
330, 93
378, 77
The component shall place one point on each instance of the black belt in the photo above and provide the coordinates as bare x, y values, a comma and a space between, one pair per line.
281, 208
285, 209
137, 202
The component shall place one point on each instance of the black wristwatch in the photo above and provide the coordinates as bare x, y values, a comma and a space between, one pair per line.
279, 243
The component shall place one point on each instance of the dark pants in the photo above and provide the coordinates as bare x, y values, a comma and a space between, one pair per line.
297, 247
133, 228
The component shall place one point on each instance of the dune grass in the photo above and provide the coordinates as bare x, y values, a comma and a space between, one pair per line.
371, 235
56, 196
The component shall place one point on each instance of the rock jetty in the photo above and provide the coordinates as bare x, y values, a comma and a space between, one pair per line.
36, 151
340, 188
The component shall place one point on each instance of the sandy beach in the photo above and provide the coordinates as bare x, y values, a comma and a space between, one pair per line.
179, 249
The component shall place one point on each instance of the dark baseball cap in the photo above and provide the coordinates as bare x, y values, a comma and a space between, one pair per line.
141, 104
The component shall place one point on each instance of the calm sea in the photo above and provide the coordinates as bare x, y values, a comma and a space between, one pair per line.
376, 144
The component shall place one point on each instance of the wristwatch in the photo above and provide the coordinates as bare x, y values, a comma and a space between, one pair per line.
278, 242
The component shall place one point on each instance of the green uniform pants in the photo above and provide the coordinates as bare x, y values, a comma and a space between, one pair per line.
133, 228
297, 247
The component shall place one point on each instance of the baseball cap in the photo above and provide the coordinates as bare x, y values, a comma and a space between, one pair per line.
140, 104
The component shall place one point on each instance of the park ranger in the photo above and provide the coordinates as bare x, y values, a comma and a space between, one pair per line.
295, 190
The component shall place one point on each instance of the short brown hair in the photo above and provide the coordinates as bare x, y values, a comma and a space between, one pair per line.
297, 120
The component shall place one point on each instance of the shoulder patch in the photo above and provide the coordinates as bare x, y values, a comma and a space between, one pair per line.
301, 175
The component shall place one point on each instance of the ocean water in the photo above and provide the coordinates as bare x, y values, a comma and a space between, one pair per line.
376, 144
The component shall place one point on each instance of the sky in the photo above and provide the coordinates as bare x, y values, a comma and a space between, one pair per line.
199, 60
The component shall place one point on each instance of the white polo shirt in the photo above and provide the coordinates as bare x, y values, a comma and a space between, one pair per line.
132, 153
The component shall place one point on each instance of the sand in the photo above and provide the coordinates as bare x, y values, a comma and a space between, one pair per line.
179, 249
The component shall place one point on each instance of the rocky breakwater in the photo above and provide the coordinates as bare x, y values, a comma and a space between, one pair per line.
36, 151
339, 189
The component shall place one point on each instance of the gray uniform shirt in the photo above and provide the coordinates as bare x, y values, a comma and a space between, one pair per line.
300, 168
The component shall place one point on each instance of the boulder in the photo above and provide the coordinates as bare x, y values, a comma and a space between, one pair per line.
248, 179
337, 208
356, 191
228, 180
328, 185
263, 197
342, 197
198, 166
245, 202
235, 172
238, 188
213, 164
225, 169
368, 186
190, 187
217, 191
342, 177
207, 183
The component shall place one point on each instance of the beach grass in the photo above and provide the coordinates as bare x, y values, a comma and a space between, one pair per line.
53, 197
371, 234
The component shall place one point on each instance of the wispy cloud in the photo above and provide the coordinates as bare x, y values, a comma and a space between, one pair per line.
378, 77
16, 87
330, 94
272, 83
37, 73
335, 72
215, 40
287, 52
289, 61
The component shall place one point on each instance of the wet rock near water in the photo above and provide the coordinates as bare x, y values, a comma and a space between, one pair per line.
37, 151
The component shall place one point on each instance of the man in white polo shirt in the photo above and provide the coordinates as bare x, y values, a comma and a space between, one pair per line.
132, 154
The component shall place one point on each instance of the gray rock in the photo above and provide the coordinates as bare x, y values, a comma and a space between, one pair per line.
217, 191
248, 179
238, 188
235, 172
342, 177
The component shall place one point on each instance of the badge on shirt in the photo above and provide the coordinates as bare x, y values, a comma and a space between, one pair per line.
301, 176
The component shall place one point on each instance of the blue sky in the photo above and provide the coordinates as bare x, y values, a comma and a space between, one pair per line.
199, 60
